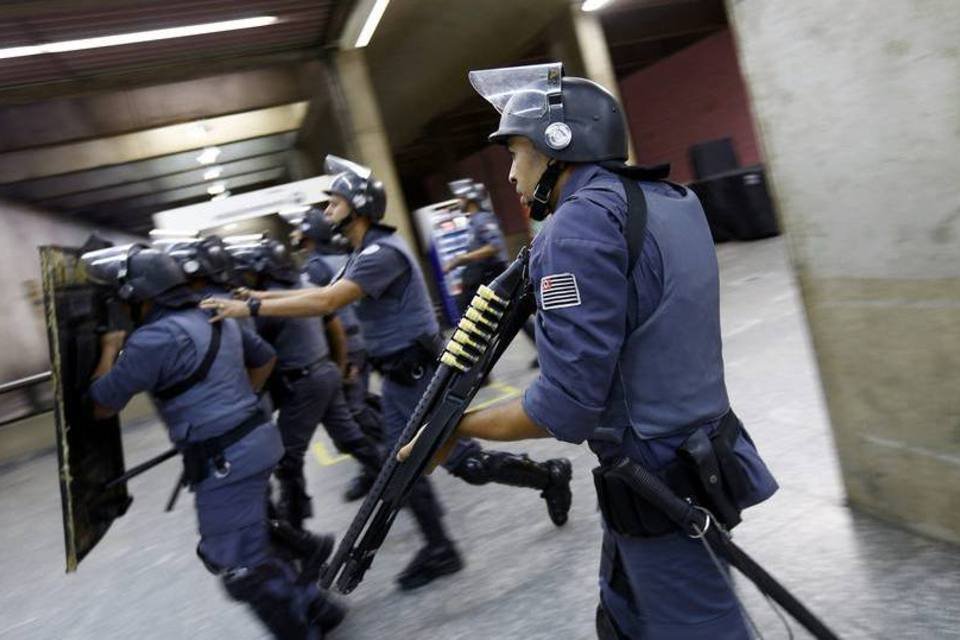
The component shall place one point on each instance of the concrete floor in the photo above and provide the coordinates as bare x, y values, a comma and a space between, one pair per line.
525, 578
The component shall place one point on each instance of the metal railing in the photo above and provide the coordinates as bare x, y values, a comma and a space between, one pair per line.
23, 383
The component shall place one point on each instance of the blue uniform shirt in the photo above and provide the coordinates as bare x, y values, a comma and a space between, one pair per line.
606, 356
578, 345
320, 271
395, 310
377, 268
299, 342
168, 348
485, 230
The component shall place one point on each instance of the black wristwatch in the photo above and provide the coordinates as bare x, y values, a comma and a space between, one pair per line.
254, 305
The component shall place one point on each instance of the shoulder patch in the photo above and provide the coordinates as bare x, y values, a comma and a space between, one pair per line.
559, 291
370, 250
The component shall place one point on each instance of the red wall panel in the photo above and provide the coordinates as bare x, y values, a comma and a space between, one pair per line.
693, 96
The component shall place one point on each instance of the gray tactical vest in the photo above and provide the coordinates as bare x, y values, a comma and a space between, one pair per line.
669, 375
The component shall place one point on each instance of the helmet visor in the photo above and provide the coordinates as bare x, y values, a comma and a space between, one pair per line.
519, 91
108, 266
335, 164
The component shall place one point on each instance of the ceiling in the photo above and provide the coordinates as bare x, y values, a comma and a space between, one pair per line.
102, 133
110, 134
638, 34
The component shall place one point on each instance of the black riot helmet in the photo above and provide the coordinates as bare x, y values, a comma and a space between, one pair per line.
265, 258
566, 119
358, 186
315, 226
137, 273
201, 258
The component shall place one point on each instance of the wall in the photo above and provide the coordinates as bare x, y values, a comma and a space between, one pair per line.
859, 111
22, 329
491, 166
692, 96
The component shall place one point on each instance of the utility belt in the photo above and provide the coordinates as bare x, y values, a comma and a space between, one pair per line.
281, 383
294, 374
706, 473
197, 455
407, 366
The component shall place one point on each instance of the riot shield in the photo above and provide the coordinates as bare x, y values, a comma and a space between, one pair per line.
90, 452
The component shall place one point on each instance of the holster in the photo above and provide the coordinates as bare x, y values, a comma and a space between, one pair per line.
706, 472
407, 366
197, 455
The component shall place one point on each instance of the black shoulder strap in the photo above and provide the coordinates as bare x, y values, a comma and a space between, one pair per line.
636, 221
635, 232
201, 371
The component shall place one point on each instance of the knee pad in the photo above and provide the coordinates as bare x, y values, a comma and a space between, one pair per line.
251, 584
474, 468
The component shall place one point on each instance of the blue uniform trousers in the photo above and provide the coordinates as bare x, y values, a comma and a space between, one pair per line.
399, 402
316, 397
234, 543
398, 405
355, 393
667, 588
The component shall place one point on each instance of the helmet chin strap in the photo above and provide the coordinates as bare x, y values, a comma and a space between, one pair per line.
341, 227
540, 206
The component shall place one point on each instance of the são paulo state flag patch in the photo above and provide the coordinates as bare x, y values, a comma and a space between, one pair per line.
559, 291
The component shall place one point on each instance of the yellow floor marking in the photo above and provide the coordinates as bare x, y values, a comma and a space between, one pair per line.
325, 458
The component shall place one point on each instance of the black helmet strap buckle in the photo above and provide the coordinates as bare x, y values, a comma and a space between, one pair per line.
541, 193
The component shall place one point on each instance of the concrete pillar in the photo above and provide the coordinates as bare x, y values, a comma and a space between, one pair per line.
859, 115
578, 40
366, 139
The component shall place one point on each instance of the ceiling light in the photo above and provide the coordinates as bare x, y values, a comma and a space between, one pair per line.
139, 36
216, 188
593, 5
209, 155
221, 196
213, 173
373, 19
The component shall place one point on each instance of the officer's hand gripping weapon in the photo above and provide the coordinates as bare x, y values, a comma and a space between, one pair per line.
496, 314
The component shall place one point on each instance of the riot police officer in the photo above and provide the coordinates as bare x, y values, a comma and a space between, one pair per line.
306, 385
202, 378
485, 256
402, 337
326, 255
628, 334
208, 267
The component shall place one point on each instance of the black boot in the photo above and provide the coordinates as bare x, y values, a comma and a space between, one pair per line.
360, 485
308, 550
552, 477
271, 606
294, 504
325, 614
430, 563
370, 456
